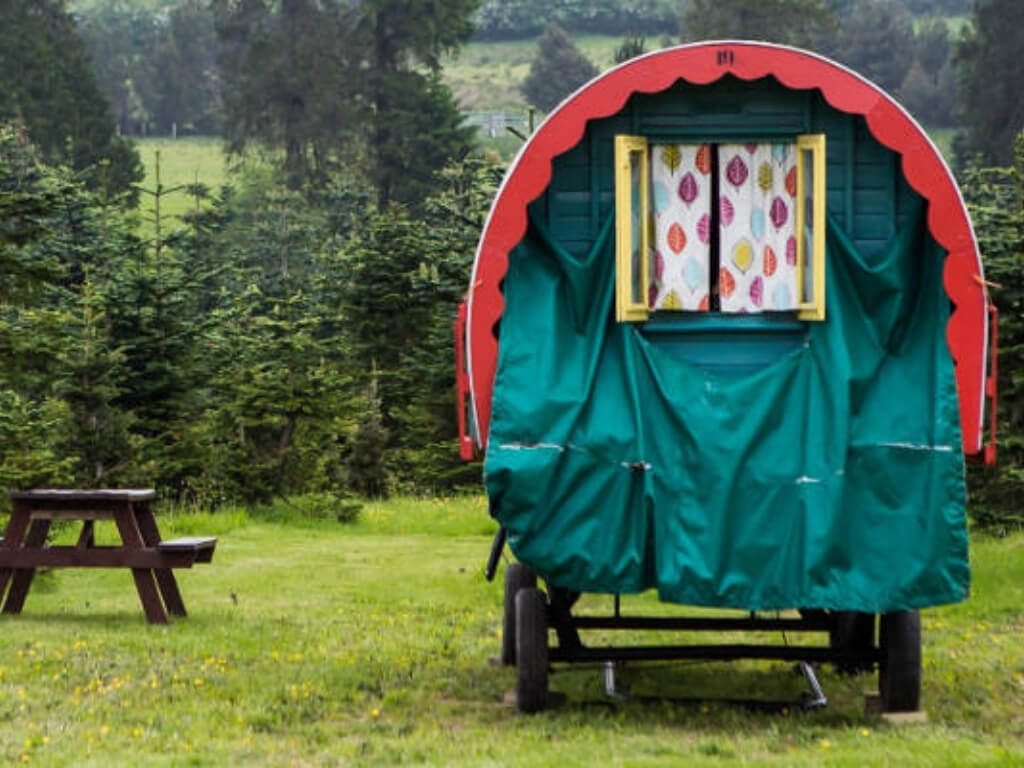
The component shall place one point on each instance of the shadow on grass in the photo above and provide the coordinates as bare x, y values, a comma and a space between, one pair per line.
714, 696
89, 618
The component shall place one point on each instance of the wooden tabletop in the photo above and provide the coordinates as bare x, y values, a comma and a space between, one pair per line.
72, 494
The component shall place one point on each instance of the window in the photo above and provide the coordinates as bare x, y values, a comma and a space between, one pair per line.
810, 225
632, 232
735, 228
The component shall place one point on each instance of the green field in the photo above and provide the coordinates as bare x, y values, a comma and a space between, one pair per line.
183, 161
315, 643
487, 76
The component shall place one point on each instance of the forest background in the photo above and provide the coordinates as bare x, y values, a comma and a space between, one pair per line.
285, 331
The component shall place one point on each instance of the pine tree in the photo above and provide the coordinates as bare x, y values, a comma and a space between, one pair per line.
338, 84
804, 23
991, 78
97, 438
995, 198
278, 391
876, 37
420, 130
557, 70
46, 81
290, 71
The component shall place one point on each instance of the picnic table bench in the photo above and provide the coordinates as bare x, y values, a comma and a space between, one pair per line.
23, 547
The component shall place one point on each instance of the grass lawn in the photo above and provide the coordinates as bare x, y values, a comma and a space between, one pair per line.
316, 643
182, 161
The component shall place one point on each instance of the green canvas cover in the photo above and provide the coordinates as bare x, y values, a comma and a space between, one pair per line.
831, 478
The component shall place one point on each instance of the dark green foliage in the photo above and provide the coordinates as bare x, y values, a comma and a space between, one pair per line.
46, 82
62, 368
995, 197
952, 7
930, 99
420, 29
337, 84
932, 45
802, 23
289, 78
120, 40
929, 88
631, 47
990, 71
516, 19
419, 131
366, 469
98, 434
876, 39
278, 401
917, 7
415, 128
157, 69
557, 70
28, 194
406, 277
29, 443
186, 83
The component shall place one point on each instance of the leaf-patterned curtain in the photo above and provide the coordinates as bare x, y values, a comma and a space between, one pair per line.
681, 224
757, 224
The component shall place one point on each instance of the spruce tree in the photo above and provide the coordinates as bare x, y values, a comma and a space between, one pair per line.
995, 198
557, 70
46, 81
990, 71
804, 23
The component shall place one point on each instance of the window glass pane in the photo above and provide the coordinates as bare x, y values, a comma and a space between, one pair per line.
636, 286
807, 235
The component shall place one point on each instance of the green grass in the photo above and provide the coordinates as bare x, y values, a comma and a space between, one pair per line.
487, 76
323, 644
182, 161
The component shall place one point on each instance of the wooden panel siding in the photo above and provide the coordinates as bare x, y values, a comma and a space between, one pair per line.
866, 193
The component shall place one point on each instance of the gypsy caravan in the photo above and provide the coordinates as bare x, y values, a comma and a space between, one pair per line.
727, 337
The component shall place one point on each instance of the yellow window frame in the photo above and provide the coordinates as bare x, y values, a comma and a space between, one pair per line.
627, 308
815, 145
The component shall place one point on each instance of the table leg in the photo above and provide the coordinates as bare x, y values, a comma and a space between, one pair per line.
165, 578
86, 537
23, 576
127, 526
13, 536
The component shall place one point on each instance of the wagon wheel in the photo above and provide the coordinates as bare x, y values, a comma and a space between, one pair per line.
517, 577
899, 675
853, 632
531, 650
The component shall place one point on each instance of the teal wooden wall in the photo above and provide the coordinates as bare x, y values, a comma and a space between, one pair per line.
867, 194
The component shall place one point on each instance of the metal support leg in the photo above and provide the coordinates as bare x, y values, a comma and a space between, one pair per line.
816, 698
609, 683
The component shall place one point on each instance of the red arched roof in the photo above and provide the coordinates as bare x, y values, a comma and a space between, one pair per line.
701, 64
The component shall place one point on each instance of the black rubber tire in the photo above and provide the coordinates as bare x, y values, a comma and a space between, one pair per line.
531, 650
517, 576
853, 632
899, 674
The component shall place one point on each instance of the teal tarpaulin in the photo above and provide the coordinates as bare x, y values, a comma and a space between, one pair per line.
833, 478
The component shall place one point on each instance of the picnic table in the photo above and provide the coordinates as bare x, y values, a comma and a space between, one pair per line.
24, 548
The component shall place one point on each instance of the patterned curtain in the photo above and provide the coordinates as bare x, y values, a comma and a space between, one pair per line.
757, 210
681, 223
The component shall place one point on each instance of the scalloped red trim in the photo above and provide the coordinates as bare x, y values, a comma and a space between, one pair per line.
700, 64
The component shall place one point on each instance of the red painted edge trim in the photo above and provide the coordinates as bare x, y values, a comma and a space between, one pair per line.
701, 64
466, 445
